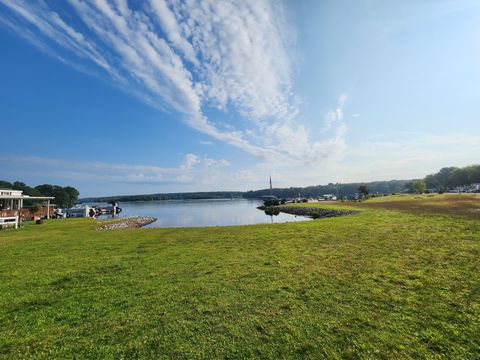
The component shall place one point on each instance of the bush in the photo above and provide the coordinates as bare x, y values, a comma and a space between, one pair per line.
271, 202
35, 208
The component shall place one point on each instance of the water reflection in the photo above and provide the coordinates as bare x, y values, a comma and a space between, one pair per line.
187, 213
271, 212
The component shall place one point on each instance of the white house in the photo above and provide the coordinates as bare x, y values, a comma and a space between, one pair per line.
475, 187
329, 197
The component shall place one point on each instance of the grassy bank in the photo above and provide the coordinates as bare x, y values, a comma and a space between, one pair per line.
379, 284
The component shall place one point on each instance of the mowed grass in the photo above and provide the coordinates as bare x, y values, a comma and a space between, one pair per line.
380, 284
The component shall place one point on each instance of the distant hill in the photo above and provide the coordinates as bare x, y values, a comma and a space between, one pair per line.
167, 196
381, 187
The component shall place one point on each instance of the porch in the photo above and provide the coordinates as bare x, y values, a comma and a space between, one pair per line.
12, 209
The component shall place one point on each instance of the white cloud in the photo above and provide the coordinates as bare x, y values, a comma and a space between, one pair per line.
302, 151
190, 161
205, 142
215, 163
222, 54
396, 155
247, 176
192, 168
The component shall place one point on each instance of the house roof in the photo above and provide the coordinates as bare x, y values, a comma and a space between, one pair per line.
9, 194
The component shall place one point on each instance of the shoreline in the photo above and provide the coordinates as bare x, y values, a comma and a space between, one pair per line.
314, 213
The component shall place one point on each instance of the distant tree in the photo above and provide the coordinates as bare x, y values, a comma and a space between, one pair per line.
27, 190
416, 186
474, 173
409, 186
64, 196
432, 181
45, 189
460, 176
5, 185
420, 186
453, 176
73, 195
441, 179
18, 184
363, 189
340, 191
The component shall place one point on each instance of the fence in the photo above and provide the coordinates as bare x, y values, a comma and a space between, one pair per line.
27, 213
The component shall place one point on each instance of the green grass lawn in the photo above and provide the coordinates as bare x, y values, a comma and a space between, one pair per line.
380, 284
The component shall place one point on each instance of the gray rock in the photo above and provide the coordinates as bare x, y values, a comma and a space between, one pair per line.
127, 223
315, 213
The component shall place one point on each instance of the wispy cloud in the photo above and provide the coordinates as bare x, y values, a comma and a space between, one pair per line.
192, 167
188, 56
395, 155
190, 161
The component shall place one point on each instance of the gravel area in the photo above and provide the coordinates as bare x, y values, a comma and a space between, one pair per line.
127, 223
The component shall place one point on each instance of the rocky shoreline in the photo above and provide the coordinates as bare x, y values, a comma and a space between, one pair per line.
315, 213
127, 223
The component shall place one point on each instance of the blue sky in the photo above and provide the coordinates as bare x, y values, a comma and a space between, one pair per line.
131, 97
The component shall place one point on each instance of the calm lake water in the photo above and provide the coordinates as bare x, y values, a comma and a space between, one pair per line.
187, 213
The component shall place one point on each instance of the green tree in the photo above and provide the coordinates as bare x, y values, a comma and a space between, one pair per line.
62, 198
432, 181
459, 177
416, 186
441, 179
474, 173
73, 195
364, 190
27, 190
5, 185
45, 189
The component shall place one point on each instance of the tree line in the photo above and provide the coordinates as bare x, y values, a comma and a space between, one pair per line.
449, 177
351, 189
446, 178
338, 189
64, 196
167, 196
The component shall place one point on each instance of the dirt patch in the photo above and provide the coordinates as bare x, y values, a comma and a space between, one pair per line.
455, 205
